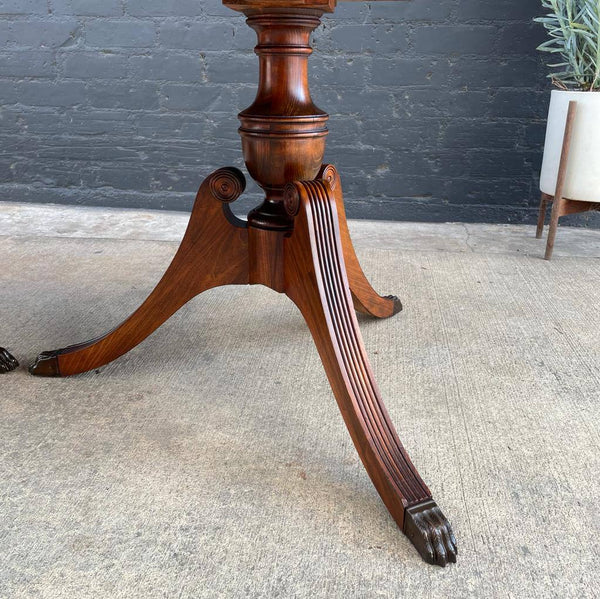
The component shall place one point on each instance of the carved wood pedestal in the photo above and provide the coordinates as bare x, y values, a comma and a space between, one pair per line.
296, 242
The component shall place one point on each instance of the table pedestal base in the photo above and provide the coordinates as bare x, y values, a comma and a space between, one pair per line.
314, 264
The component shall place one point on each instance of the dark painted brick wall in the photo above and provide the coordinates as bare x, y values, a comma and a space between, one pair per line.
437, 106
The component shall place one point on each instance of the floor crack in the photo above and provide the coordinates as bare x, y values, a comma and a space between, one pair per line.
468, 237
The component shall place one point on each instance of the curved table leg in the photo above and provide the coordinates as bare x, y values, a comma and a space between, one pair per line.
213, 252
7, 361
365, 299
317, 283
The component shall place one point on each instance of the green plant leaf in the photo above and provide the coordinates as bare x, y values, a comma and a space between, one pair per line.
573, 28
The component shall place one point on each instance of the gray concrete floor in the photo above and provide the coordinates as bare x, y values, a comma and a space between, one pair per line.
30, 220
188, 468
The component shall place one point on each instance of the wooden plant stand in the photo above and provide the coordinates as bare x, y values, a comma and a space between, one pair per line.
561, 206
296, 242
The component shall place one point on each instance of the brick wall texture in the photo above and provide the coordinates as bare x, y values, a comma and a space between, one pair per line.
437, 106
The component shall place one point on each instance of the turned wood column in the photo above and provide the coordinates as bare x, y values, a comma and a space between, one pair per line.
283, 132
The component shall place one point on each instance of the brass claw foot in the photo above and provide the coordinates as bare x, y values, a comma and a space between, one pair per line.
46, 364
7, 361
430, 532
397, 303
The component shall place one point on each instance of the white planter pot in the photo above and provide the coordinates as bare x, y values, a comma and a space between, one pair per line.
583, 171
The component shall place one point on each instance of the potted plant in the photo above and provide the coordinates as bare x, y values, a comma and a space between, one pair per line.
574, 30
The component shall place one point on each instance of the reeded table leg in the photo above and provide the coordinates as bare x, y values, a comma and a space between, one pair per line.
213, 252
366, 300
317, 282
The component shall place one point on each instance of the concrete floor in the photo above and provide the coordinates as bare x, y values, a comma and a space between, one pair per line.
188, 468
32, 220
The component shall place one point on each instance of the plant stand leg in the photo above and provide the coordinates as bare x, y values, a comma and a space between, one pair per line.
557, 207
554, 218
541, 215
